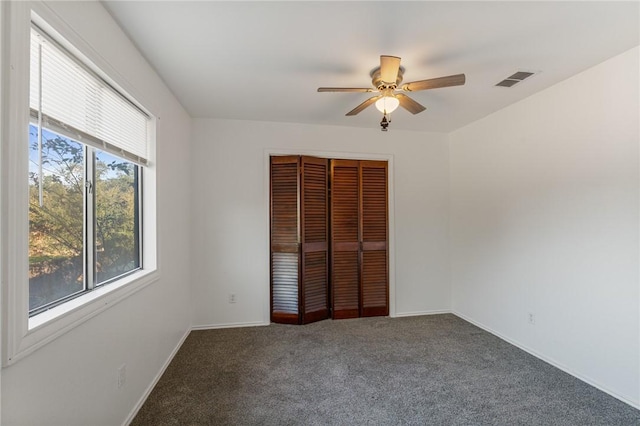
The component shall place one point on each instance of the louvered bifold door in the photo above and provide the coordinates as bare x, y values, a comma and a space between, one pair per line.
315, 239
374, 248
345, 239
285, 236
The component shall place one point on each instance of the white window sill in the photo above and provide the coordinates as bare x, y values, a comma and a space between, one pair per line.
48, 325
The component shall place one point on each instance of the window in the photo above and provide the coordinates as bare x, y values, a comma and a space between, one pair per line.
79, 180
87, 151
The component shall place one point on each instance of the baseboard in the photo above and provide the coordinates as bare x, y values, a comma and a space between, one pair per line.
549, 360
155, 380
417, 313
229, 325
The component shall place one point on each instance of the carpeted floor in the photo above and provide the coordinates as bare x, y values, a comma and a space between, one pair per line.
428, 370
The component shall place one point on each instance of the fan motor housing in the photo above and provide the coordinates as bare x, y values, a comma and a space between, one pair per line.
377, 82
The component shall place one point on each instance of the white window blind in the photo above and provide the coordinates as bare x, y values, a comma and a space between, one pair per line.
78, 103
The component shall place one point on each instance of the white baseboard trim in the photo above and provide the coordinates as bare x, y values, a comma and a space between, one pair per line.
417, 313
229, 325
155, 380
586, 379
173, 353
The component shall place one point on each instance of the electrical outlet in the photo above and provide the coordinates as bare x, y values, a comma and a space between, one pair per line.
232, 298
532, 318
122, 375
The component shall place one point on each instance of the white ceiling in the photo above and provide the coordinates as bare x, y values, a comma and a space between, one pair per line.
265, 60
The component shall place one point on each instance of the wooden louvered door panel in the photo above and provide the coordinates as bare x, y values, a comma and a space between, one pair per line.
304, 220
315, 239
285, 250
345, 239
374, 247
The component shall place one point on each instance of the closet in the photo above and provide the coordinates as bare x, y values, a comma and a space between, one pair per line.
329, 239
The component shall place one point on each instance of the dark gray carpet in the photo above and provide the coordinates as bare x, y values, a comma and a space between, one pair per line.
435, 370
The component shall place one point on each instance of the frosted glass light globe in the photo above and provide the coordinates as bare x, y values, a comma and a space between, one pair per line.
387, 104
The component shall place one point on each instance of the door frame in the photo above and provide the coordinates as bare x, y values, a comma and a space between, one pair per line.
268, 152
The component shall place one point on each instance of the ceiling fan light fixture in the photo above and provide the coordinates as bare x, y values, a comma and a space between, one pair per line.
386, 79
387, 104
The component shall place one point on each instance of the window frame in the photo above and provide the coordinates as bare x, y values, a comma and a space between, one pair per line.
21, 334
89, 254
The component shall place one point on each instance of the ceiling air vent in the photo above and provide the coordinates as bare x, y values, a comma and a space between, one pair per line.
515, 79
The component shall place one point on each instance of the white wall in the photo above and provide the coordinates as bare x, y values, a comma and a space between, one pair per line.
230, 214
544, 220
4, 51
73, 380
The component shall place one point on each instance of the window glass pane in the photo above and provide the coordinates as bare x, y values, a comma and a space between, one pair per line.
56, 227
117, 219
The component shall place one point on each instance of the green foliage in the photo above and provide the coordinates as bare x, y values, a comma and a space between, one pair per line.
57, 226
115, 218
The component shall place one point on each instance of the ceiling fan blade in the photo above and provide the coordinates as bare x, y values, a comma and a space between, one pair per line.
363, 105
389, 66
345, 89
435, 83
409, 104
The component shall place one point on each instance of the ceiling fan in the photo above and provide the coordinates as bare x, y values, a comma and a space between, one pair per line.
386, 80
